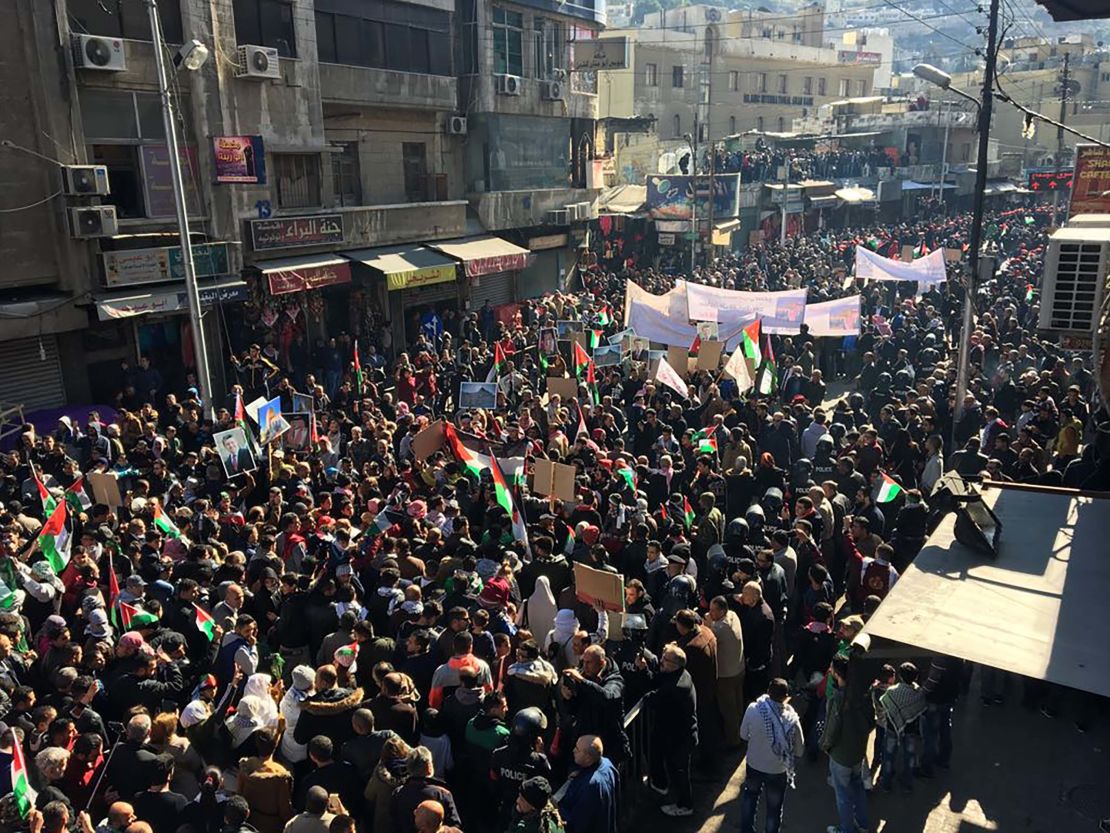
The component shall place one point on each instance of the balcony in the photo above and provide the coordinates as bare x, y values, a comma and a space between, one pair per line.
355, 85
518, 209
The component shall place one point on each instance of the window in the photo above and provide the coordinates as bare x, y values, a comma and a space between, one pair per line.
759, 123
861, 87
346, 174
651, 75
732, 125
703, 132
733, 80
298, 179
508, 42
782, 125
782, 83
842, 87
807, 85
388, 35
125, 18
797, 35
414, 162
677, 78
761, 82
547, 40
820, 86
676, 130
266, 23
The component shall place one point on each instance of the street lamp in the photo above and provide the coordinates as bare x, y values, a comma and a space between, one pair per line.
942, 79
191, 57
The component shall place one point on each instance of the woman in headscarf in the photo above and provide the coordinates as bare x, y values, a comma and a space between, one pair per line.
262, 686
301, 688
558, 646
249, 717
537, 614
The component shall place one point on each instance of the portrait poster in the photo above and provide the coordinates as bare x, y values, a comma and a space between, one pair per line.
235, 453
549, 341
298, 437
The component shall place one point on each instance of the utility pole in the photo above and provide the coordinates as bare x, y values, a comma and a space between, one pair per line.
706, 95
694, 193
976, 237
1065, 82
192, 295
785, 197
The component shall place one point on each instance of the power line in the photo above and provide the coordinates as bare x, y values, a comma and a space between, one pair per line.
29, 206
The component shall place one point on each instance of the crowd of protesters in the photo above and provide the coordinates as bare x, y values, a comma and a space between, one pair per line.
360, 637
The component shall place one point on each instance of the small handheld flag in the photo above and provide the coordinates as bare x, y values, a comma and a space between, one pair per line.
54, 539
205, 623
888, 490
358, 369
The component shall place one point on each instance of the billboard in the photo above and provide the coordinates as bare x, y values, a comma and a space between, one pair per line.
1090, 193
671, 197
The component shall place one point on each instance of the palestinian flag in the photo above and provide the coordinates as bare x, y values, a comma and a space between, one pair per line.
77, 496
241, 421
54, 539
581, 360
921, 251
705, 442
358, 369
888, 490
687, 511
505, 499
593, 338
126, 614
21, 781
473, 462
1029, 293
582, 429
498, 366
663, 511
605, 316
591, 382
347, 651
163, 522
873, 244
629, 476
113, 593
696, 345
205, 623
48, 501
7, 596
749, 341
769, 377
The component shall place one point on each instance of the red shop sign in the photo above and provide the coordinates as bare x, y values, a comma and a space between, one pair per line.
308, 277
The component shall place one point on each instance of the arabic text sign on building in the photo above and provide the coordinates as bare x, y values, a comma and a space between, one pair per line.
239, 159
1090, 193
293, 232
170, 301
496, 263
299, 279
1049, 180
129, 267
849, 56
600, 54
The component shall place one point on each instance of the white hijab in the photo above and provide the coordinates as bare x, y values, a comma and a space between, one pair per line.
539, 608
258, 685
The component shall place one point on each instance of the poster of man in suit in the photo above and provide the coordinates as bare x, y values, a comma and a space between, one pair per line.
235, 453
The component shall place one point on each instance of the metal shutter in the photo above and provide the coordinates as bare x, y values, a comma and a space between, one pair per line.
433, 294
28, 379
498, 289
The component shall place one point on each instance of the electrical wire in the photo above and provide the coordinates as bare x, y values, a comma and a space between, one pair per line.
922, 20
29, 206
8, 143
1004, 96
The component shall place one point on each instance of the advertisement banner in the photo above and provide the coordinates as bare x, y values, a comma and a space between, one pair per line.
1090, 193
293, 232
671, 197
239, 159
927, 270
782, 313
834, 318
128, 267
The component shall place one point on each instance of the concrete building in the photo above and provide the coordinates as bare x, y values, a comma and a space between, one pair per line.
330, 145
872, 47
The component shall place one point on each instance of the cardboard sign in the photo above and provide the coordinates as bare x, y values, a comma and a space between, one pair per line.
676, 358
592, 586
907, 253
566, 388
953, 255
553, 480
429, 440
709, 356
105, 489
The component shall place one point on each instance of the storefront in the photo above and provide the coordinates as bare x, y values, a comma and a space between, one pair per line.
32, 374
307, 296
490, 267
418, 282
547, 267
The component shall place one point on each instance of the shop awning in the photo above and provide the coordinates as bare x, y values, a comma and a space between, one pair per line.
995, 188
1033, 610
170, 298
627, 200
484, 255
296, 274
727, 226
827, 201
405, 267
856, 195
911, 185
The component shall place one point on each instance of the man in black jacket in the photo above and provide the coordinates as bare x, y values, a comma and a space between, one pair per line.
422, 785
674, 728
593, 696
328, 711
758, 625
129, 771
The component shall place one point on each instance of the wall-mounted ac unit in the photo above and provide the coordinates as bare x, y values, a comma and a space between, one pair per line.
508, 84
258, 62
85, 180
553, 90
455, 126
99, 53
1074, 281
94, 221
556, 217
572, 212
582, 210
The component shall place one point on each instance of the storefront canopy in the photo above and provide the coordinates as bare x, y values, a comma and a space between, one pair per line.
911, 185
297, 274
484, 255
1034, 610
405, 267
856, 195
828, 201
627, 200
172, 298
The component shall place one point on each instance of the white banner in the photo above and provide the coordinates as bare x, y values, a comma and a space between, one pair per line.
737, 368
834, 318
661, 328
780, 313
668, 376
928, 270
672, 304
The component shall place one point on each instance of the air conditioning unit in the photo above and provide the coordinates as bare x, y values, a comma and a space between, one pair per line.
508, 84
1074, 281
553, 90
583, 210
100, 53
572, 213
258, 62
556, 217
94, 221
86, 180
456, 125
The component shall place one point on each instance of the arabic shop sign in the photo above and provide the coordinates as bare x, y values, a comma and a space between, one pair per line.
600, 54
174, 300
1049, 180
294, 232
131, 267
301, 278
